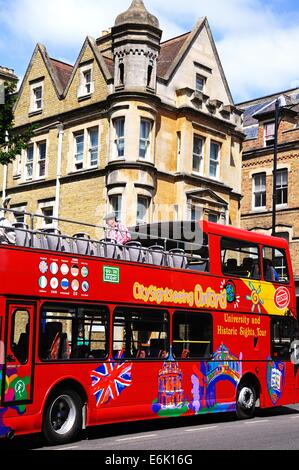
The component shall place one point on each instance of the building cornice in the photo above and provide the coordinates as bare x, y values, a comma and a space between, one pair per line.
264, 151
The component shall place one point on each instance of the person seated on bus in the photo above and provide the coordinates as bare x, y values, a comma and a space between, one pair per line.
231, 266
247, 266
7, 232
270, 274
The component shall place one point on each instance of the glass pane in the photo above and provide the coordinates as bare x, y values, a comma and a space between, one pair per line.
30, 153
42, 148
73, 333
240, 258
214, 151
192, 335
20, 335
140, 334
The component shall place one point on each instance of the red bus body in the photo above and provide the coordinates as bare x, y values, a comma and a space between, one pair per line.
241, 335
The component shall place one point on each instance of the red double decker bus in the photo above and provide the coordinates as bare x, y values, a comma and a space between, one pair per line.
95, 333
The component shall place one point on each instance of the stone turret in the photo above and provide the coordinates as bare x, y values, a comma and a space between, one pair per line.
136, 38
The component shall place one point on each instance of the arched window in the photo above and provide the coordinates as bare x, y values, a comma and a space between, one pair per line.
121, 70
149, 74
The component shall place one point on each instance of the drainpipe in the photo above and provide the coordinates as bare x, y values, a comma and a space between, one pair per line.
4, 184
58, 172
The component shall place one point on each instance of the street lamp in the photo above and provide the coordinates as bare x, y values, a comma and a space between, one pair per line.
278, 110
274, 195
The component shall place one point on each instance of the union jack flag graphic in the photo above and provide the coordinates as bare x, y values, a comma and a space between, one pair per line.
109, 380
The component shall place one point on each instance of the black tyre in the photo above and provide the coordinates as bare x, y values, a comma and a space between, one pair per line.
63, 417
246, 401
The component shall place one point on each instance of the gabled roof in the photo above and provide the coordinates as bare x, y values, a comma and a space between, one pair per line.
89, 41
62, 70
50, 66
175, 50
169, 51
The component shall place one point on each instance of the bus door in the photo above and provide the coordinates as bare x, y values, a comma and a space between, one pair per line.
18, 358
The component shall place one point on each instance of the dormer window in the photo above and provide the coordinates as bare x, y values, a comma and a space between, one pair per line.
86, 87
269, 133
36, 97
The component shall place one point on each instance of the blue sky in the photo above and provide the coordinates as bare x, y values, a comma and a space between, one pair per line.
256, 39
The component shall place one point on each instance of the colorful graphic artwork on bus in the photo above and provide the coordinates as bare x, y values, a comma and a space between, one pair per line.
171, 400
255, 298
275, 380
15, 390
231, 292
110, 380
223, 367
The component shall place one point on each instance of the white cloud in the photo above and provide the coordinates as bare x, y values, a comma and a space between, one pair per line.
254, 41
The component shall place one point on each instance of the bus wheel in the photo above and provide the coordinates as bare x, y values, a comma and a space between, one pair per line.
63, 417
246, 400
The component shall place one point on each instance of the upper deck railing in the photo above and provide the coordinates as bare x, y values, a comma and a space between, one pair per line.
145, 247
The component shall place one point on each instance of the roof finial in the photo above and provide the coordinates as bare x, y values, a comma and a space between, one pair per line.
137, 14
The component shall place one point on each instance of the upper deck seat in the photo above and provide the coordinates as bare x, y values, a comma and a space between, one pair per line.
83, 243
177, 258
39, 241
54, 238
157, 255
68, 245
23, 236
134, 252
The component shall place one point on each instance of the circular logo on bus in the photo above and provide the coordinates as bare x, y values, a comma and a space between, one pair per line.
75, 270
230, 292
54, 283
65, 284
43, 282
43, 267
282, 298
64, 269
54, 268
75, 285
84, 271
85, 286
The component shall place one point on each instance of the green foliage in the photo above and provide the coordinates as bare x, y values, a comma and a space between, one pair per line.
11, 142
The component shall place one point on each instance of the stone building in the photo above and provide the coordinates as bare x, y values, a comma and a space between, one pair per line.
257, 170
6, 75
143, 127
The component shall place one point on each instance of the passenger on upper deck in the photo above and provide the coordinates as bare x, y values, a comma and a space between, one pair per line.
7, 233
117, 232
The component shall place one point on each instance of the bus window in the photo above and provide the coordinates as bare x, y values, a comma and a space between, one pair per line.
275, 265
20, 335
240, 258
192, 335
140, 334
73, 333
283, 331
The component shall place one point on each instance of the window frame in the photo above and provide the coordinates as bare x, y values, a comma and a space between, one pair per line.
286, 265
259, 193
144, 311
196, 315
119, 125
269, 139
78, 163
86, 87
34, 108
146, 215
92, 149
282, 188
213, 161
118, 212
146, 141
74, 306
199, 156
12, 332
203, 79
258, 260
